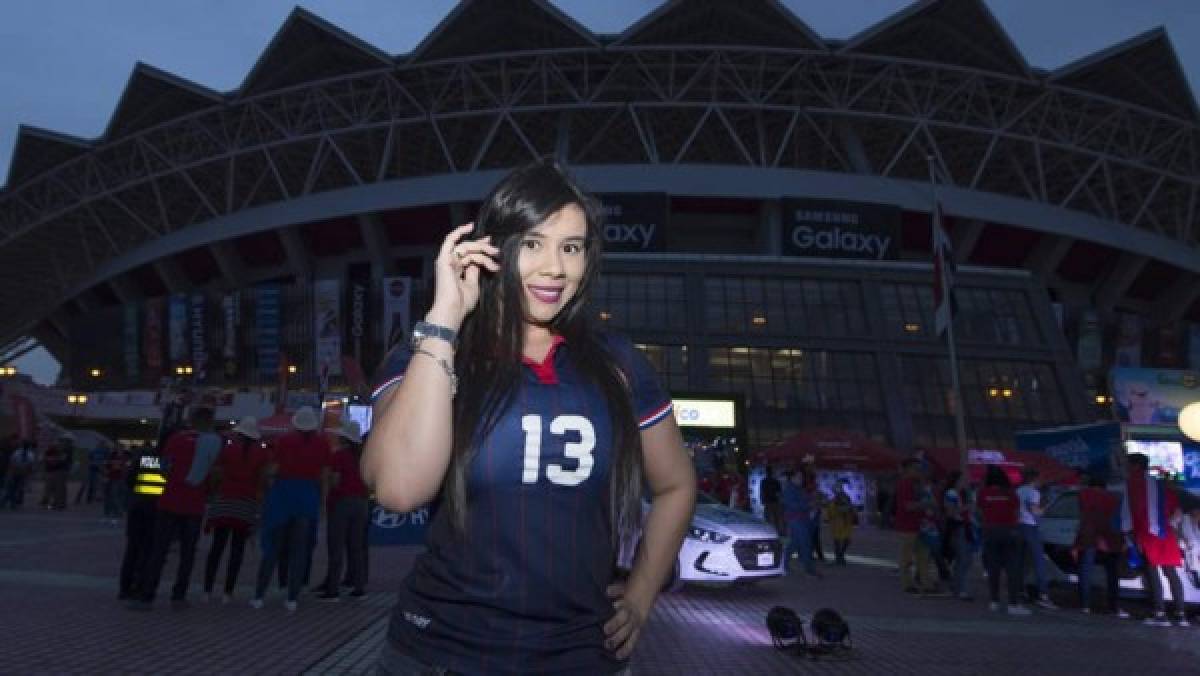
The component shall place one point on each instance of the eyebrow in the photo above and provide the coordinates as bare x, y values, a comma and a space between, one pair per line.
572, 238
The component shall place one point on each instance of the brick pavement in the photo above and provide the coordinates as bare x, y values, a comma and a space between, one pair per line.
58, 587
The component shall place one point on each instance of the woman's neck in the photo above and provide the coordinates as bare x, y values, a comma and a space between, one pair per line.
538, 340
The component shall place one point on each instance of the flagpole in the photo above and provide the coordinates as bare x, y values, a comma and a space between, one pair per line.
960, 426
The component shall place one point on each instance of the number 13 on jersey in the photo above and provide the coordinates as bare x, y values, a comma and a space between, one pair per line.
580, 451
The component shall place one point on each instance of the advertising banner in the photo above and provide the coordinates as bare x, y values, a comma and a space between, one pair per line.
635, 222
231, 316
1191, 466
1089, 448
1129, 341
199, 335
152, 339
359, 330
26, 422
268, 316
131, 333
177, 316
1152, 396
1090, 341
327, 330
838, 229
397, 294
1168, 347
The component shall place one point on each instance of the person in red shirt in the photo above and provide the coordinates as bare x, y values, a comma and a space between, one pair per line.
234, 511
1149, 508
292, 507
347, 526
188, 457
1097, 541
999, 511
907, 522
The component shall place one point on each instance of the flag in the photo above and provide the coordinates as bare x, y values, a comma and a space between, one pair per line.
943, 274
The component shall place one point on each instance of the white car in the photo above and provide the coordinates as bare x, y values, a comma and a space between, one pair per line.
721, 545
1059, 525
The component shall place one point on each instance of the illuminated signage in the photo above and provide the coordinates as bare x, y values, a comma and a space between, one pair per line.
705, 413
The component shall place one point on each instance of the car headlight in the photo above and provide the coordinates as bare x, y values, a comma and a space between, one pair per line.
705, 535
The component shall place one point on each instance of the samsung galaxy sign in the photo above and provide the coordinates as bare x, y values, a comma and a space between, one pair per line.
634, 222
837, 229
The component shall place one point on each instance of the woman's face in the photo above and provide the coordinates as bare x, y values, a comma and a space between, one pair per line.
551, 263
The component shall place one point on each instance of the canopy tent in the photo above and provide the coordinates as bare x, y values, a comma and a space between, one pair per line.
1012, 462
833, 449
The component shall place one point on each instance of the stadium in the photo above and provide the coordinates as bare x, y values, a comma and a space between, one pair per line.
768, 195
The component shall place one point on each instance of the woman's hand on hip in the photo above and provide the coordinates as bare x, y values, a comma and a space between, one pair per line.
456, 271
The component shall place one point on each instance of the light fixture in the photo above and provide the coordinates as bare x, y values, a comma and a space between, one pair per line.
912, 327
993, 391
758, 320
187, 370
1007, 392
8, 370
1189, 421
144, 421
96, 373
77, 398
1101, 399
605, 316
291, 368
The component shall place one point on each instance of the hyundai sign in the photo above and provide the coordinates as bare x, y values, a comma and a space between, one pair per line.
837, 229
705, 413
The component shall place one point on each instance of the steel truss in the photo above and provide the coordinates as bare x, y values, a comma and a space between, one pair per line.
755, 107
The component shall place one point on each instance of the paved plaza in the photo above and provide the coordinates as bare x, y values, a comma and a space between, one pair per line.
58, 591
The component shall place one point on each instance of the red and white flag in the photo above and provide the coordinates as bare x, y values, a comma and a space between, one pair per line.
943, 274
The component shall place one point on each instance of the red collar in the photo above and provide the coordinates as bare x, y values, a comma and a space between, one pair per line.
544, 371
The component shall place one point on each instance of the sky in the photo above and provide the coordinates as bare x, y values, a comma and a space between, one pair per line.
66, 62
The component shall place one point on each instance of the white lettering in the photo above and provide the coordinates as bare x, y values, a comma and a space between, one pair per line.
639, 234
837, 240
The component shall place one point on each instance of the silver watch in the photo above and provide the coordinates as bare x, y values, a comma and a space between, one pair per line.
423, 330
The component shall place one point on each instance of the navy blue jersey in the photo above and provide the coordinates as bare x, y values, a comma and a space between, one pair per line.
524, 590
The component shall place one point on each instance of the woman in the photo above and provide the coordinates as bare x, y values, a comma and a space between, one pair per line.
347, 525
999, 512
842, 518
299, 474
1097, 541
234, 511
535, 435
959, 533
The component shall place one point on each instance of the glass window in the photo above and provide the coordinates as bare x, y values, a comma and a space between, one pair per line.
633, 302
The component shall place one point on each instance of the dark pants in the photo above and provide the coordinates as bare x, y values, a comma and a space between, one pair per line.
14, 494
800, 543
220, 537
774, 515
1087, 560
88, 485
114, 493
818, 551
298, 533
839, 550
168, 527
1002, 552
54, 493
1154, 584
345, 540
139, 542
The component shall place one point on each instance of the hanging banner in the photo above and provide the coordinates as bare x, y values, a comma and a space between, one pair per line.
1168, 354
327, 330
1090, 341
231, 316
26, 421
199, 335
1090, 448
152, 339
1152, 396
838, 229
1128, 352
1193, 349
397, 292
177, 316
358, 305
133, 355
268, 316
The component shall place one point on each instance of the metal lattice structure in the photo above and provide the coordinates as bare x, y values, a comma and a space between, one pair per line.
177, 156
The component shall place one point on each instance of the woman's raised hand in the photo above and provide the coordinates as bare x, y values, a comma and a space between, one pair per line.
456, 273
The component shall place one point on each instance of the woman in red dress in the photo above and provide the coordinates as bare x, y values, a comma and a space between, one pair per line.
234, 512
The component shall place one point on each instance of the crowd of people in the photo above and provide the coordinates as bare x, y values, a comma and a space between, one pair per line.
102, 471
239, 485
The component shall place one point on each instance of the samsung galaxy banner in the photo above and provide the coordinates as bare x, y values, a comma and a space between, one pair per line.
268, 317
397, 295
837, 229
231, 316
199, 337
177, 317
359, 329
152, 338
634, 222
327, 331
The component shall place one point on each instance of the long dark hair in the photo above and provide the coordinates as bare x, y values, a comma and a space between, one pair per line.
492, 339
996, 477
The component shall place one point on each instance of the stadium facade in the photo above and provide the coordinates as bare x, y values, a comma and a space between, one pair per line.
767, 190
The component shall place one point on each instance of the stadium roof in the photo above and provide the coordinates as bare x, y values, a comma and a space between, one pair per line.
764, 23
152, 96
477, 27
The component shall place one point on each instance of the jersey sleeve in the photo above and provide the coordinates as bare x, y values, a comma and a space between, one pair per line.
650, 402
391, 371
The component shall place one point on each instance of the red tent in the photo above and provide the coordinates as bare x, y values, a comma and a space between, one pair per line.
834, 449
1051, 470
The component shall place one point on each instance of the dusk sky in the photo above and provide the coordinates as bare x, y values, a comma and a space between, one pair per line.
67, 61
